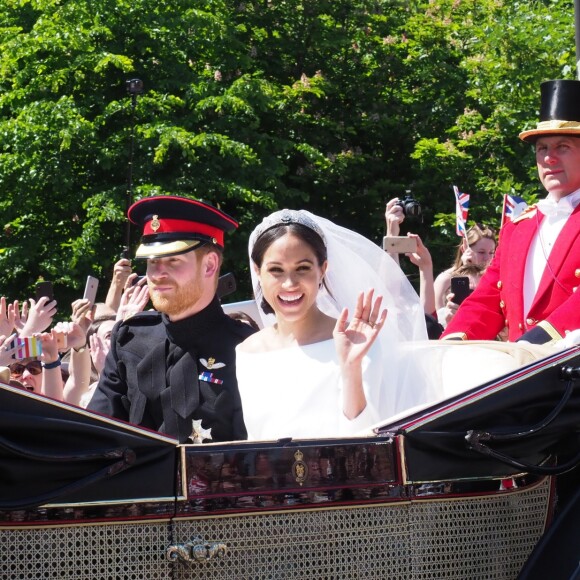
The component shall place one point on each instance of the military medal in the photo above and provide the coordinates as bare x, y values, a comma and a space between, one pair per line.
198, 433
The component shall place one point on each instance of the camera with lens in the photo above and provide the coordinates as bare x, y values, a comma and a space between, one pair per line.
411, 207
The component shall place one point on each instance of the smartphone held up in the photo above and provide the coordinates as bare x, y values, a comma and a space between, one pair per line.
91, 288
44, 289
399, 245
460, 288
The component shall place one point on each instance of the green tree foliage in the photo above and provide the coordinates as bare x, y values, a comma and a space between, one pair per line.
508, 49
331, 106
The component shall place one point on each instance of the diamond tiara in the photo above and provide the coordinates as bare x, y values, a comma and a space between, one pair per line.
285, 217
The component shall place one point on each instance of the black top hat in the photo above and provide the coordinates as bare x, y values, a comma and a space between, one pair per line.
175, 225
559, 110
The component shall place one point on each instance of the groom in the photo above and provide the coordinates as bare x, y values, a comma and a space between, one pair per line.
173, 369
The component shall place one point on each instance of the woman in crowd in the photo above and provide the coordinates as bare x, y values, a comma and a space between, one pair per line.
313, 371
40, 375
473, 272
477, 248
28, 372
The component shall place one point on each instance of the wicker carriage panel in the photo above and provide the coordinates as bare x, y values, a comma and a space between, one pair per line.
95, 552
477, 538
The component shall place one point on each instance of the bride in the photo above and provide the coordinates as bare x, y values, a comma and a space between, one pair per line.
335, 309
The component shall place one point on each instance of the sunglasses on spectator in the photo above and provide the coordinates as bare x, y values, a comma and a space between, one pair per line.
33, 367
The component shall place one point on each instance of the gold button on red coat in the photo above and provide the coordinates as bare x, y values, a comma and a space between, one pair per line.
577, 273
520, 326
530, 321
501, 304
499, 284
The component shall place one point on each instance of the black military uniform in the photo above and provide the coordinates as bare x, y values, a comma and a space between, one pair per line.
164, 374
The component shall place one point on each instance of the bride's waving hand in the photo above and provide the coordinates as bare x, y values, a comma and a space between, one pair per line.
352, 341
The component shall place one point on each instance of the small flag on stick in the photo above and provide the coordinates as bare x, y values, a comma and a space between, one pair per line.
513, 206
461, 210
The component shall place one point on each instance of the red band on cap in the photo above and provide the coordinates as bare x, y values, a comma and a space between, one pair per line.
170, 226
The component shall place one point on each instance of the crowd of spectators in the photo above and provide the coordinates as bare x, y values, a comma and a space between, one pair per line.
64, 360
472, 256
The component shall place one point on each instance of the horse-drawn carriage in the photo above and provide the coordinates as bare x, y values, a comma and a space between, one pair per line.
460, 489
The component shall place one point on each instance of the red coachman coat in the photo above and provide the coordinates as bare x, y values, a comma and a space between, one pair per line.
498, 300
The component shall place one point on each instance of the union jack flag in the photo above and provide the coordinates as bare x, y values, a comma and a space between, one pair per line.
513, 206
461, 209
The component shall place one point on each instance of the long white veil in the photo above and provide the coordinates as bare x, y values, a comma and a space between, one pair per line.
356, 264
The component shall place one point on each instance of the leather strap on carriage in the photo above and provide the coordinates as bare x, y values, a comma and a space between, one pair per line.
122, 458
475, 438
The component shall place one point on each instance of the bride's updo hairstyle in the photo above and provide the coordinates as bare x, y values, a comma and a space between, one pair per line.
278, 225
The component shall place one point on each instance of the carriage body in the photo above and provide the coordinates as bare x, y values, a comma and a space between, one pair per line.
84, 496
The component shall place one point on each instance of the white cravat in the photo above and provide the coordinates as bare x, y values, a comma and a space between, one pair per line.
550, 207
556, 212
